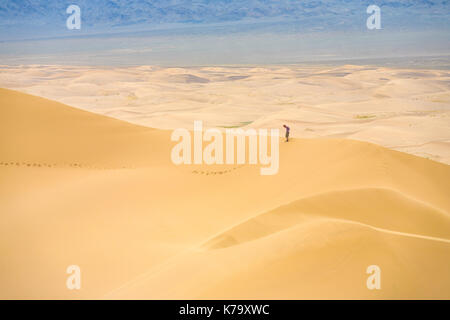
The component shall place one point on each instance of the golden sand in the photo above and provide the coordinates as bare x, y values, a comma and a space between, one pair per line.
78, 188
403, 109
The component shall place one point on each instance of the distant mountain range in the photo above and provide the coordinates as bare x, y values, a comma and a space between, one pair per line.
47, 17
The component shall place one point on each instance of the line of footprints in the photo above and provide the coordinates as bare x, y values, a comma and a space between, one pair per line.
207, 173
50, 165
30, 164
78, 165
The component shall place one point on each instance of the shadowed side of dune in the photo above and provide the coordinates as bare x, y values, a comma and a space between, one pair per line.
377, 207
319, 259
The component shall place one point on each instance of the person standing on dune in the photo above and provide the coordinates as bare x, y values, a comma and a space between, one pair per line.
287, 132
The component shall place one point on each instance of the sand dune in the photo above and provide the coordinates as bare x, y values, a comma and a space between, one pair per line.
402, 109
81, 188
401, 214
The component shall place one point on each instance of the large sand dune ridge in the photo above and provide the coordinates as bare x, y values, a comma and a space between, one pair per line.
403, 109
85, 189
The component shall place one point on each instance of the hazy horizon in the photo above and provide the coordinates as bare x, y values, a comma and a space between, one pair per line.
186, 33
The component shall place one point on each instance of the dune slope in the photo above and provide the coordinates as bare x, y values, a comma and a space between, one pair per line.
81, 188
